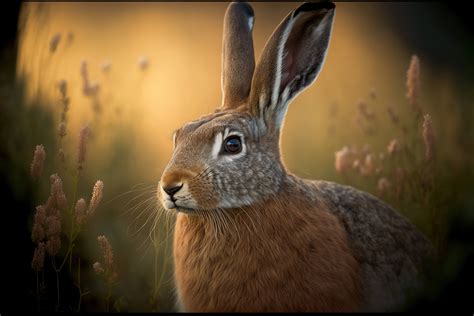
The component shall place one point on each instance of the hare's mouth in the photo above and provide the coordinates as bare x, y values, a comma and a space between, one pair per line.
178, 207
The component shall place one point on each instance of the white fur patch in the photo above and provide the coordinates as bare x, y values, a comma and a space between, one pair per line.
250, 23
184, 198
216, 147
279, 61
174, 139
284, 107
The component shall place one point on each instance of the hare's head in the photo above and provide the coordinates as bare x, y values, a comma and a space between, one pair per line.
231, 158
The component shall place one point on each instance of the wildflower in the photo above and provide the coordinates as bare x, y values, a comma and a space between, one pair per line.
38, 162
356, 164
393, 147
98, 268
88, 88
53, 226
53, 43
62, 156
105, 66
38, 258
364, 110
40, 215
50, 203
143, 62
96, 197
62, 86
428, 137
368, 168
91, 89
393, 116
53, 245
57, 191
81, 154
383, 185
342, 162
70, 36
366, 149
369, 161
413, 82
106, 250
80, 212
399, 174
372, 93
62, 129
353, 149
84, 73
38, 232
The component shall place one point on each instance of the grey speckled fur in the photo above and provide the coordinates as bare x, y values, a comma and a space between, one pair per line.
388, 247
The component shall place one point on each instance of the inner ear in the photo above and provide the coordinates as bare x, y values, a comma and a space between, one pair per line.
290, 61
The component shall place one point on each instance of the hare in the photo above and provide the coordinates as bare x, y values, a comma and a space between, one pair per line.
249, 235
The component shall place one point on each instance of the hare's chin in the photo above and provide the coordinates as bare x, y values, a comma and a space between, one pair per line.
170, 206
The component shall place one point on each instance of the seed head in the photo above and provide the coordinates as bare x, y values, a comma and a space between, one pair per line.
53, 245
383, 185
393, 147
62, 129
81, 155
368, 168
57, 191
96, 197
98, 268
105, 66
38, 258
393, 116
53, 226
53, 43
80, 212
428, 137
62, 86
38, 162
106, 250
143, 62
62, 156
413, 83
342, 162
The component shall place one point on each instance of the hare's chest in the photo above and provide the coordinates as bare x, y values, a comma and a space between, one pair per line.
307, 271
218, 273
211, 276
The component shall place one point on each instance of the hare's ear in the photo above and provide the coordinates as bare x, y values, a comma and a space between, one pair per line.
291, 60
238, 61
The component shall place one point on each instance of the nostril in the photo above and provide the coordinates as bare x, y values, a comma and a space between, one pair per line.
171, 190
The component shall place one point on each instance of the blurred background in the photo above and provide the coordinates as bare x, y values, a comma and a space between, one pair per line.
137, 71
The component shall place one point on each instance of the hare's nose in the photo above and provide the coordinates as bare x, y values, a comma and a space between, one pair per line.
172, 189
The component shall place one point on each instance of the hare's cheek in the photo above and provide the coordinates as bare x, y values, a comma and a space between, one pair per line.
204, 195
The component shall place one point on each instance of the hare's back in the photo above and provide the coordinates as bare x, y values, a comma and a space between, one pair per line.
388, 247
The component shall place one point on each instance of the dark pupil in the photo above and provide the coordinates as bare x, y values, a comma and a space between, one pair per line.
232, 145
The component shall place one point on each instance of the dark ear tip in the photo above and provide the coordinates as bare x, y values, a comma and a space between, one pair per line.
242, 7
315, 6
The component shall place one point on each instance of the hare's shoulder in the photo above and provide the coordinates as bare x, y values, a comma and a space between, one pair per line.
388, 247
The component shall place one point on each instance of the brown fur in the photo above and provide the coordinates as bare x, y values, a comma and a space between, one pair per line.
267, 267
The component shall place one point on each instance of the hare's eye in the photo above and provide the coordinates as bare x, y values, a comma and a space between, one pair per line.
232, 145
